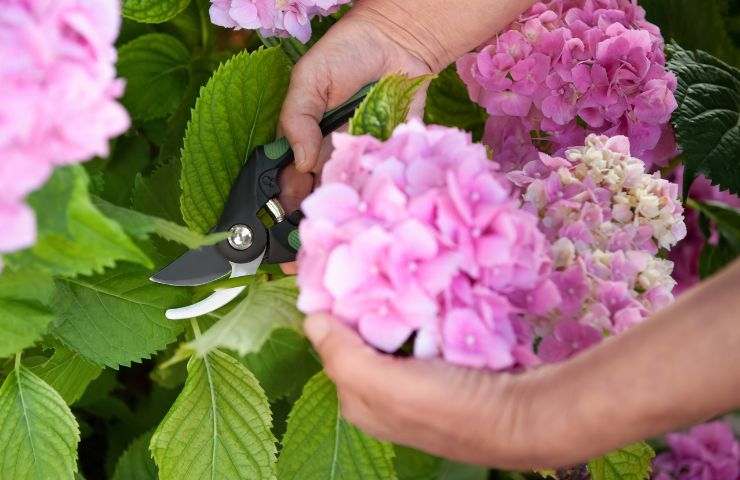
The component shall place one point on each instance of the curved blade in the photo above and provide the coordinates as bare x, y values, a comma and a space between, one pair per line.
196, 267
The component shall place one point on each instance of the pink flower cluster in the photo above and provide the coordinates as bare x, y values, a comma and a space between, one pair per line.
567, 68
421, 235
282, 18
706, 452
606, 220
57, 97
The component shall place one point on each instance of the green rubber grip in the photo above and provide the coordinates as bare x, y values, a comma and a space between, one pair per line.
294, 240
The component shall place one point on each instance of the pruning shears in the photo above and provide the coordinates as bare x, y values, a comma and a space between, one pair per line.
250, 242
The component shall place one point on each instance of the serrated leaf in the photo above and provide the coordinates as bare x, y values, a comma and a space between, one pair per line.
267, 306
116, 318
707, 120
155, 67
320, 445
219, 426
153, 11
449, 104
283, 364
628, 463
386, 105
237, 111
67, 372
38, 433
136, 462
158, 194
130, 156
74, 237
24, 313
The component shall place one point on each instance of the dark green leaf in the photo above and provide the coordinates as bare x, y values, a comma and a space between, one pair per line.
131, 155
136, 462
448, 103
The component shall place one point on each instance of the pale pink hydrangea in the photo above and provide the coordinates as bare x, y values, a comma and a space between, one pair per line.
420, 235
282, 18
606, 219
58, 91
567, 68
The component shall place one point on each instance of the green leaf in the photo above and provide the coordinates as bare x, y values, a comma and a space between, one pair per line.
155, 67
461, 471
726, 220
158, 194
74, 237
448, 103
24, 313
130, 156
219, 426
284, 363
237, 111
411, 464
267, 306
136, 462
707, 120
38, 433
153, 11
320, 445
386, 105
628, 463
67, 372
116, 318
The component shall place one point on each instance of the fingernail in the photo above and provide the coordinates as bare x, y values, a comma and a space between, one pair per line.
317, 328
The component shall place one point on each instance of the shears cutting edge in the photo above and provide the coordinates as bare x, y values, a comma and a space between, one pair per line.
250, 242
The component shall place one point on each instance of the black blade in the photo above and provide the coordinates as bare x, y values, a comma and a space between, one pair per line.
196, 267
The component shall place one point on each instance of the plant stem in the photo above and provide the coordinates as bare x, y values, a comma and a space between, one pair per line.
196, 328
18, 360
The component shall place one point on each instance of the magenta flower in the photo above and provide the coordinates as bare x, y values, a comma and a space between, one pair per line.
568, 338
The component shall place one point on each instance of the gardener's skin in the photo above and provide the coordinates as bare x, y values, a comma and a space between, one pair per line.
680, 367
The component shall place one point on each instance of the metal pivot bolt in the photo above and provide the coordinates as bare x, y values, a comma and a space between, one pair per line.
240, 237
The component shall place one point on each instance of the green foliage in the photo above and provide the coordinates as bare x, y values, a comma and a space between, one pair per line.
155, 67
320, 445
726, 220
158, 194
38, 433
67, 372
628, 463
130, 156
412, 464
116, 318
219, 426
386, 105
237, 111
24, 313
153, 11
707, 120
136, 462
448, 103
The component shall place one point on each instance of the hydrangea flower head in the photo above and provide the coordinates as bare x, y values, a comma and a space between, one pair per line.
58, 97
421, 235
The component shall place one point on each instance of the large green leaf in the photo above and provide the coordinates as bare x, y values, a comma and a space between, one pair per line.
38, 433
158, 194
707, 120
153, 11
237, 111
24, 313
413, 464
386, 106
136, 462
267, 306
628, 463
219, 426
74, 237
320, 445
448, 103
155, 67
116, 318
67, 372
130, 156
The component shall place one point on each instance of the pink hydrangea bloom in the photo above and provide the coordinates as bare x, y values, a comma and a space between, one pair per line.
57, 97
606, 220
706, 452
421, 235
567, 68
282, 18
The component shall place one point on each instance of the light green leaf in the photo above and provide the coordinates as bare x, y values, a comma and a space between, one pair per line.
38, 433
67, 372
155, 67
386, 106
24, 313
74, 237
153, 11
320, 445
219, 426
707, 120
629, 463
283, 364
158, 194
267, 306
448, 103
136, 462
116, 318
237, 111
